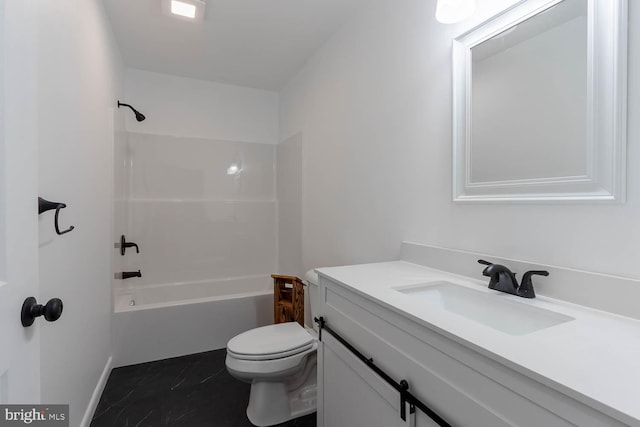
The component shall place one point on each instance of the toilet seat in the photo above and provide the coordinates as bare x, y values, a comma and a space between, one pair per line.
271, 356
270, 342
268, 368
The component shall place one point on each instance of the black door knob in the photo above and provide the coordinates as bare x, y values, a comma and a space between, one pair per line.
31, 309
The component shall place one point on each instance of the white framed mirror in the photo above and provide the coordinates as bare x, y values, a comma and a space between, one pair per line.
540, 104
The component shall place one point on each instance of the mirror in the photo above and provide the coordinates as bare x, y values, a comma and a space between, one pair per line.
540, 104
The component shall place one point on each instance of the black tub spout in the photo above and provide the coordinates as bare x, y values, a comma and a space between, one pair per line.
130, 274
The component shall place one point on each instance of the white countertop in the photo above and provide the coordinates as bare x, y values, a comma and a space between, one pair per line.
594, 359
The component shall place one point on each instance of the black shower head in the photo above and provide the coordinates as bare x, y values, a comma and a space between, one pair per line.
139, 116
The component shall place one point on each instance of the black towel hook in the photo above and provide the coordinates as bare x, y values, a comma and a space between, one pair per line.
46, 205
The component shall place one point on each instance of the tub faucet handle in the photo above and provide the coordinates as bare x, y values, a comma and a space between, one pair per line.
124, 245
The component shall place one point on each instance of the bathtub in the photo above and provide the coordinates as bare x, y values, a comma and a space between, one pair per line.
154, 322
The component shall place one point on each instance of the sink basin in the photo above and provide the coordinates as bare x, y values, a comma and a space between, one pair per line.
499, 312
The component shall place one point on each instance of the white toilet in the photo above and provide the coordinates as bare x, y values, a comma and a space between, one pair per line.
279, 361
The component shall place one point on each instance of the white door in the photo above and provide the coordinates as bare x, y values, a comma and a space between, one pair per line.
19, 346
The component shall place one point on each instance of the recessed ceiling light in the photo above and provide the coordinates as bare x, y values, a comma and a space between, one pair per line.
189, 10
183, 9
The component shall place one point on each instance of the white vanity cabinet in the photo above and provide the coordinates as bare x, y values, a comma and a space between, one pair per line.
356, 396
461, 384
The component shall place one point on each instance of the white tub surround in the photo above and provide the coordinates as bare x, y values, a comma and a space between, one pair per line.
582, 371
289, 190
204, 214
195, 218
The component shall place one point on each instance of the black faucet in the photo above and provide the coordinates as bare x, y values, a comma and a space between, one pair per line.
124, 245
503, 280
526, 287
130, 274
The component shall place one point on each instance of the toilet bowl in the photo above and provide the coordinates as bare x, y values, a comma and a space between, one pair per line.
279, 361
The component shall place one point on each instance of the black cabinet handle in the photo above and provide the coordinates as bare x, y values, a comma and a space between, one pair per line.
31, 309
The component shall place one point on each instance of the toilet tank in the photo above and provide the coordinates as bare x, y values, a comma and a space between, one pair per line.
311, 277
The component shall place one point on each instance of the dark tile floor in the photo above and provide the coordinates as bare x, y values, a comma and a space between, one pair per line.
190, 391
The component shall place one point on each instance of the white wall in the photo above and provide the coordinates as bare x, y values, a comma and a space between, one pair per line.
289, 188
374, 105
79, 82
2, 126
196, 108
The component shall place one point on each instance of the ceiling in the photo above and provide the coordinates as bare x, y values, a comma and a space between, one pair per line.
254, 43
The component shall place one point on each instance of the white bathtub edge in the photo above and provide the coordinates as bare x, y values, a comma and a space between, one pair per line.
128, 308
126, 288
97, 393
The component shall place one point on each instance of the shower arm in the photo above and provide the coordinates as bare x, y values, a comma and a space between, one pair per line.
139, 116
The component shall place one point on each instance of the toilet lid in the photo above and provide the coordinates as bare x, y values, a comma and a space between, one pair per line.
282, 339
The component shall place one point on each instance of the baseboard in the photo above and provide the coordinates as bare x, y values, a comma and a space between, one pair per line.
97, 393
